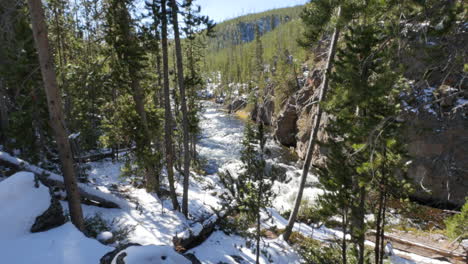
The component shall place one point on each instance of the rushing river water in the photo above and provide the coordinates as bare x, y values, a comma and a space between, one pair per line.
220, 145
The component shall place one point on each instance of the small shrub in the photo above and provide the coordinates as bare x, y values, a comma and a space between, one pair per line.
313, 251
457, 225
96, 224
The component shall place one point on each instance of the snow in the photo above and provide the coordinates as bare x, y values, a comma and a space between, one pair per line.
153, 254
460, 103
17, 194
104, 236
222, 248
61, 245
155, 223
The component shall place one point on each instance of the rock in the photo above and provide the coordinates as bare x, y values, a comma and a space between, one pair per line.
192, 258
107, 259
444, 92
135, 253
464, 244
238, 259
237, 104
105, 237
439, 154
286, 129
51, 218
264, 112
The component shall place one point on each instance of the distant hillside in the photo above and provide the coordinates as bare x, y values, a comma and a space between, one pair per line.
242, 29
232, 50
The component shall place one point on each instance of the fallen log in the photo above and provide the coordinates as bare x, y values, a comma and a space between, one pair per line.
198, 232
99, 156
421, 249
52, 180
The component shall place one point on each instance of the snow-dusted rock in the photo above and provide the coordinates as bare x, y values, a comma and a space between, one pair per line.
51, 218
105, 237
135, 254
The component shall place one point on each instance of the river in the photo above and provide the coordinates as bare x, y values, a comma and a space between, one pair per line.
220, 144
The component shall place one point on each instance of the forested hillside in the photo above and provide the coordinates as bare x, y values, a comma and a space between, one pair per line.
142, 132
232, 51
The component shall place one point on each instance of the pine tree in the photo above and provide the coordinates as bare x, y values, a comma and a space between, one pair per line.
168, 126
123, 38
363, 101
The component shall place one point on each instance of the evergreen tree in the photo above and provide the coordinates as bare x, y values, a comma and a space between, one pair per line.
122, 36
251, 191
168, 127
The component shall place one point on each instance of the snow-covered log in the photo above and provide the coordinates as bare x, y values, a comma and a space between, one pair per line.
100, 156
197, 233
420, 248
88, 195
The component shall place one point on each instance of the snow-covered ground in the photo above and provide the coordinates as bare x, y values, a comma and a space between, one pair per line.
154, 221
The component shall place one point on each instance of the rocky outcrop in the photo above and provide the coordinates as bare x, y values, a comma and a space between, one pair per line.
264, 112
51, 218
236, 104
286, 127
438, 147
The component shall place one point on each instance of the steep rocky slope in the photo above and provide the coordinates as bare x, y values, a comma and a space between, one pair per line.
435, 114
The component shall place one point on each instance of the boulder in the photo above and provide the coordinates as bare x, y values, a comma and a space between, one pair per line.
263, 112
106, 238
135, 253
444, 93
51, 218
237, 104
286, 129
107, 259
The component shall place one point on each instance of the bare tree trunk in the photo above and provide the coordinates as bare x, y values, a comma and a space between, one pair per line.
313, 135
55, 111
167, 109
183, 101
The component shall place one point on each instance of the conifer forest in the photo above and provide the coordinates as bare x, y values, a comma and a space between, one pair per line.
233, 132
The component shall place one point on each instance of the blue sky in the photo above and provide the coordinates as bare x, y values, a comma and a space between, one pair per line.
220, 10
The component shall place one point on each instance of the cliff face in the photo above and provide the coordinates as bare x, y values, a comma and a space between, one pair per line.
435, 117
242, 29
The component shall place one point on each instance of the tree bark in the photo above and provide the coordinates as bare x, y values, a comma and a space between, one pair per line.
3, 115
183, 104
167, 109
313, 135
138, 97
55, 111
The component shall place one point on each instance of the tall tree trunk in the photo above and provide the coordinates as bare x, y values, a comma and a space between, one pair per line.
3, 115
167, 109
360, 225
138, 97
344, 225
313, 135
257, 235
55, 111
377, 249
183, 102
